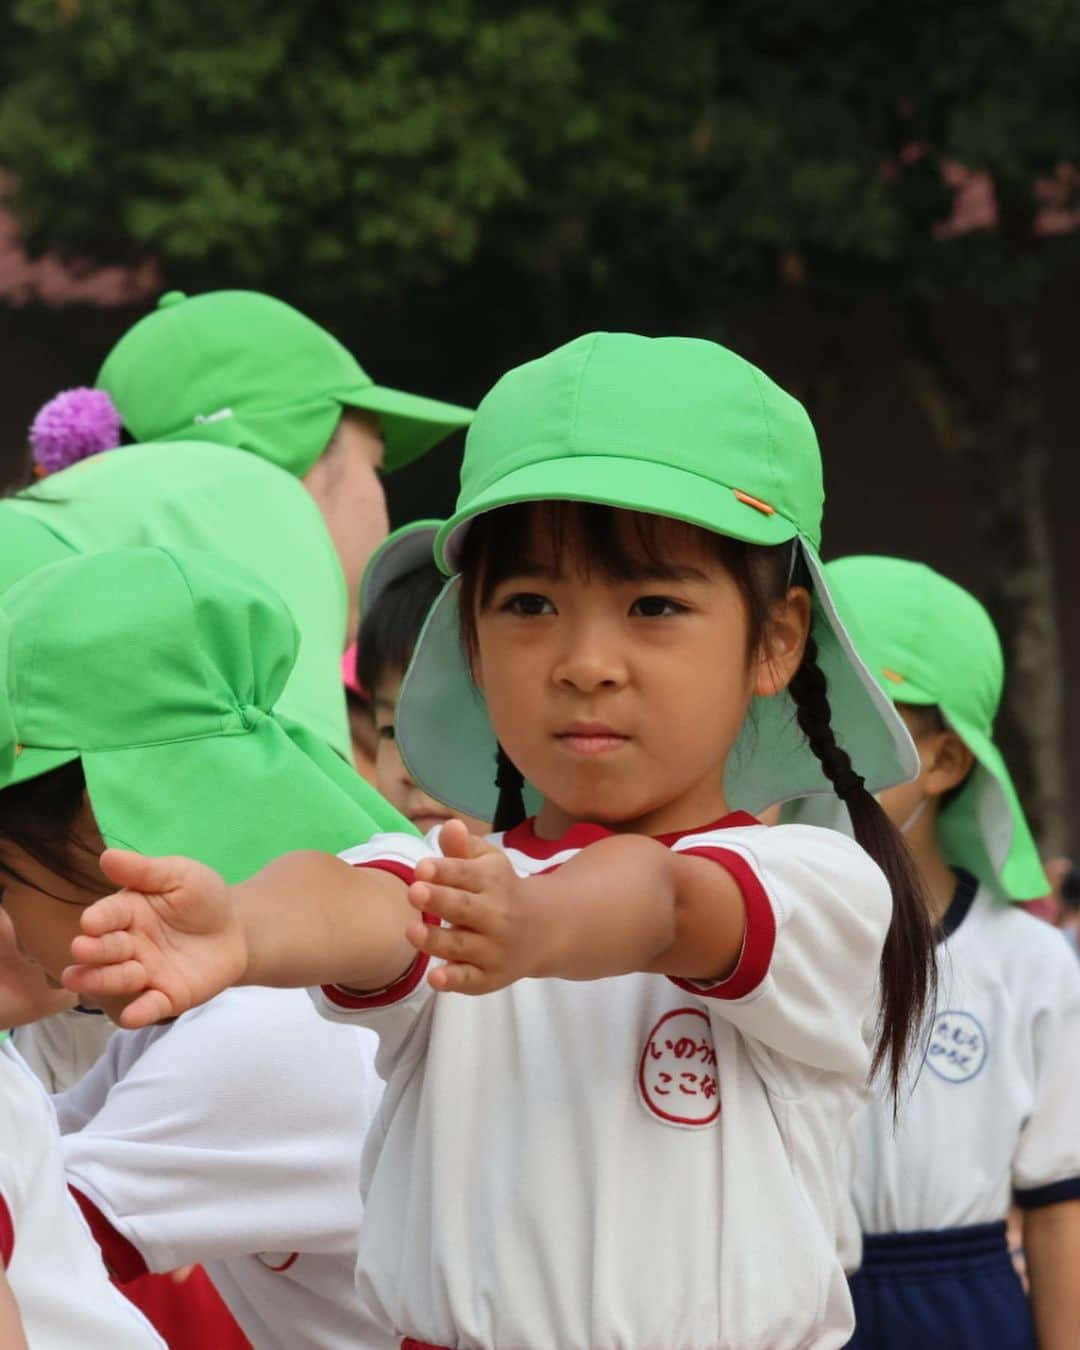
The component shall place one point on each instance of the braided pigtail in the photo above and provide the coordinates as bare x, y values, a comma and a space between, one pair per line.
510, 810
908, 968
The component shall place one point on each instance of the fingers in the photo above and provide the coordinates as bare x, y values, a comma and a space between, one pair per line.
461, 979
464, 909
451, 944
469, 874
456, 842
102, 951
113, 981
137, 872
112, 913
148, 1008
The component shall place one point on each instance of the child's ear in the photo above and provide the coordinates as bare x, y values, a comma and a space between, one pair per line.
783, 642
947, 765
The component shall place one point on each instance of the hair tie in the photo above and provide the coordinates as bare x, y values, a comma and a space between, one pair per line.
74, 425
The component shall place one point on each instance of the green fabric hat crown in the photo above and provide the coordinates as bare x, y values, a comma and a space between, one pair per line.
931, 643
676, 427
243, 369
159, 669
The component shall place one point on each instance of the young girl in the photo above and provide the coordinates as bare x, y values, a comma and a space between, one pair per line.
139, 690
992, 1118
632, 1140
399, 587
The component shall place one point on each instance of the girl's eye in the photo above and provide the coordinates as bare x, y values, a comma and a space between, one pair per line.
656, 607
528, 604
386, 733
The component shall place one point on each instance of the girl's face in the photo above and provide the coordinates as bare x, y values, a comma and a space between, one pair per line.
620, 700
45, 907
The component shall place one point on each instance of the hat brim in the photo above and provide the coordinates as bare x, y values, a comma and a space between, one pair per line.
399, 554
233, 801
449, 746
984, 828
659, 489
411, 424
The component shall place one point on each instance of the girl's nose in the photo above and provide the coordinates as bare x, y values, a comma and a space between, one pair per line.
589, 667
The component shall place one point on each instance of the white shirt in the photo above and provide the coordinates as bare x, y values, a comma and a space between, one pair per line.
996, 1107
232, 1138
61, 1048
53, 1265
628, 1162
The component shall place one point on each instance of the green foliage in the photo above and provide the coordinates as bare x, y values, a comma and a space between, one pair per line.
357, 148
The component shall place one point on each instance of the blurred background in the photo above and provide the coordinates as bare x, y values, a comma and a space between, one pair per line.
879, 204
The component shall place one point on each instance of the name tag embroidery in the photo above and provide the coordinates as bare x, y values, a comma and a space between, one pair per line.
677, 1078
958, 1046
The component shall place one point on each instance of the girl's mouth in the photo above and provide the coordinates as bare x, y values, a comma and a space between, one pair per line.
591, 739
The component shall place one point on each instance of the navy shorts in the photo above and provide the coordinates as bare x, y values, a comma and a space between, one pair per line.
955, 1288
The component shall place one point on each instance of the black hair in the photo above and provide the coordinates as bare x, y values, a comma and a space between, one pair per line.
390, 628
626, 545
39, 816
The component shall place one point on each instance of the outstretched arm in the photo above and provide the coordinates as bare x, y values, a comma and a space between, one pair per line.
625, 904
176, 935
1052, 1250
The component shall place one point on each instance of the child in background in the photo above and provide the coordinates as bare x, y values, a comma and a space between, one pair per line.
993, 1114
230, 1136
401, 583
55, 1293
631, 1139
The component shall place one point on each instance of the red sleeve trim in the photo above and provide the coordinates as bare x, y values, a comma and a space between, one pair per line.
404, 985
7, 1233
287, 1264
758, 940
122, 1259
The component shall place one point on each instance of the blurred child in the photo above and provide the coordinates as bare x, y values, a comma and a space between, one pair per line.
230, 1136
400, 586
54, 1292
631, 1140
993, 1113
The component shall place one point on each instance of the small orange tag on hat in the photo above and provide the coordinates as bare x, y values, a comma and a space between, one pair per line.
756, 503
892, 675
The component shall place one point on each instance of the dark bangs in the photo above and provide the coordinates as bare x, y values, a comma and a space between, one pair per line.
388, 633
613, 544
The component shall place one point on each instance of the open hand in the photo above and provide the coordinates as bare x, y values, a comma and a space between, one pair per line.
169, 940
496, 933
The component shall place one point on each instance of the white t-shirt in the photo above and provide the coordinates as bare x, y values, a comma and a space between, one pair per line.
232, 1138
53, 1265
61, 1048
636, 1161
995, 1110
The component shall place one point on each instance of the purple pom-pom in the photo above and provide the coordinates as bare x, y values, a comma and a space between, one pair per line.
72, 426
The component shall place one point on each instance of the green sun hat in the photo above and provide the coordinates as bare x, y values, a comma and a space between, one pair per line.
401, 552
243, 369
931, 643
159, 669
25, 544
676, 427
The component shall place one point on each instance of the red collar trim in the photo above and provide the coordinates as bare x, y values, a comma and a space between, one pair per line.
525, 840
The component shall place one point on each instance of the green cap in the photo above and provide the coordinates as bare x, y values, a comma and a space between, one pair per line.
240, 368
191, 494
931, 643
160, 668
404, 550
677, 427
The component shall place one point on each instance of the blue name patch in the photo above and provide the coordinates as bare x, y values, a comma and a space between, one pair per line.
958, 1046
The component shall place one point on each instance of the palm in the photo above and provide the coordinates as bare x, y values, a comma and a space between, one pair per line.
168, 941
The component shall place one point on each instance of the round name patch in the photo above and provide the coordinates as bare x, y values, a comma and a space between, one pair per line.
677, 1073
958, 1046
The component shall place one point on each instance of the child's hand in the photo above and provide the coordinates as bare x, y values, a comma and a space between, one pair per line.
495, 937
170, 940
